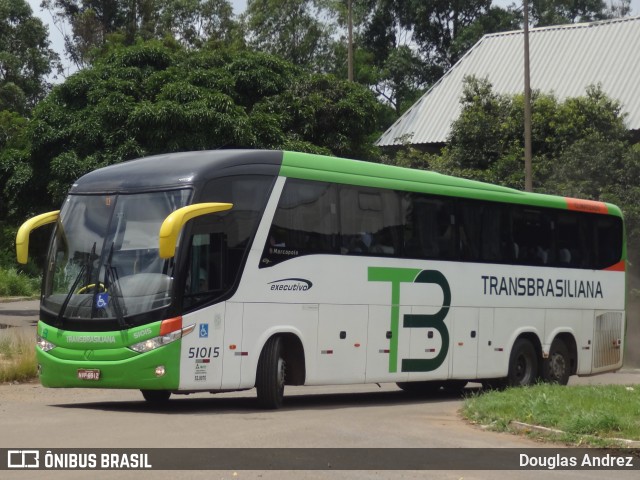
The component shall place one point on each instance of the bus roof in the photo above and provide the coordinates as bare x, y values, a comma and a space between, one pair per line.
338, 170
174, 170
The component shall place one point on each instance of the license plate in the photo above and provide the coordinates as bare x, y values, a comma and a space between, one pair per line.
85, 374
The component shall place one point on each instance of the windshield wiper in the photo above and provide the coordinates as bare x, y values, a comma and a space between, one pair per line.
112, 282
84, 267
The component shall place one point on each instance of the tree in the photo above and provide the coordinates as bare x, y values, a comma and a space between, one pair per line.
15, 170
153, 98
289, 29
412, 43
436, 23
94, 23
495, 20
25, 57
486, 140
557, 12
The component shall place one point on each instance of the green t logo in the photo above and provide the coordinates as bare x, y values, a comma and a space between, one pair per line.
396, 276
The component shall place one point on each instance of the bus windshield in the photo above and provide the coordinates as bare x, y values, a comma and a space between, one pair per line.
103, 260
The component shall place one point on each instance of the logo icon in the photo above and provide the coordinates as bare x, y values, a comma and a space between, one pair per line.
291, 284
397, 276
23, 459
204, 330
102, 300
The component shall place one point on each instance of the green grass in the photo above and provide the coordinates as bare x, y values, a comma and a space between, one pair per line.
17, 355
17, 284
591, 415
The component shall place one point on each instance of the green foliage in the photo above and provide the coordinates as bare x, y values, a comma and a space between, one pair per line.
555, 12
25, 57
16, 284
593, 415
15, 170
487, 142
98, 25
17, 356
290, 29
153, 98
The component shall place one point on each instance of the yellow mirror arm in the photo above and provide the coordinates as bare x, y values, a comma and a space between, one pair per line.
172, 225
22, 237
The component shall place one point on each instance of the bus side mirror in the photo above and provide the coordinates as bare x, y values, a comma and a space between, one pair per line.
22, 237
172, 225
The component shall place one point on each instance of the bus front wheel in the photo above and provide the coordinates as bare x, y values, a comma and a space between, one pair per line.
270, 377
523, 364
156, 396
556, 368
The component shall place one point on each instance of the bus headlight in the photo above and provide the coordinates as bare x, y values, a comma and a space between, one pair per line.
44, 344
156, 342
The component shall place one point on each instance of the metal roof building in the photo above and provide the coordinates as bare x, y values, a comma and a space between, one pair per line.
564, 60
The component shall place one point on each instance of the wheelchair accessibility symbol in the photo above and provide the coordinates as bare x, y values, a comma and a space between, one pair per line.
204, 330
102, 300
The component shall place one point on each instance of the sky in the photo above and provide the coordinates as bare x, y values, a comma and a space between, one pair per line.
238, 6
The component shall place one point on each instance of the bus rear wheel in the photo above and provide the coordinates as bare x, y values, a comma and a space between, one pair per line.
556, 368
270, 378
156, 396
523, 364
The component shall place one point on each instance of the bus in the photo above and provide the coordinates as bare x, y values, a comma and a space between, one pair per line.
217, 271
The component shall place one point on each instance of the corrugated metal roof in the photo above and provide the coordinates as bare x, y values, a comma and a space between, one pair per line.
564, 60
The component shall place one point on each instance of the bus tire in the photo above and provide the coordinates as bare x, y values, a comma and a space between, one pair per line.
270, 377
454, 386
156, 396
523, 364
557, 367
420, 388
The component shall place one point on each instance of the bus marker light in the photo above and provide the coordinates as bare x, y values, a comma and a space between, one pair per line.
160, 371
242, 354
170, 325
232, 347
356, 345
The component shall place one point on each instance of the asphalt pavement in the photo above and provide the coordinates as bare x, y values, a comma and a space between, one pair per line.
18, 312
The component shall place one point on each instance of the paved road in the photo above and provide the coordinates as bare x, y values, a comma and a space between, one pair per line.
363, 416
18, 313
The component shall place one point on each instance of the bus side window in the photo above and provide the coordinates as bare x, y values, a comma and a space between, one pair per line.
608, 248
533, 234
305, 222
569, 240
430, 228
370, 221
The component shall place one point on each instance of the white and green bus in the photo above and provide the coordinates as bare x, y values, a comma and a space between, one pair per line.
216, 271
